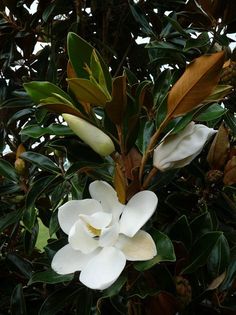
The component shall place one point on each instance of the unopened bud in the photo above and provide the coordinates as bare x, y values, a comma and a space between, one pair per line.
219, 149
230, 172
20, 166
90, 134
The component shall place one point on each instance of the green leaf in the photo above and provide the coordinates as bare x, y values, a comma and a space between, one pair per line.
29, 218
57, 300
165, 252
41, 161
30, 238
173, 21
201, 225
42, 89
80, 52
49, 276
146, 130
213, 112
231, 271
8, 171
9, 219
201, 250
140, 17
219, 258
33, 194
196, 43
23, 265
181, 231
115, 288
18, 306
35, 131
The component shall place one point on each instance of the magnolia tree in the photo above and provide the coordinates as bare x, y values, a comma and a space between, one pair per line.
118, 187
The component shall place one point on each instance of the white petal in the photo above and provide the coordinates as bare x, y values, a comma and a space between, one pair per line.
107, 196
79, 239
103, 269
98, 220
67, 260
138, 210
139, 247
69, 213
179, 150
109, 235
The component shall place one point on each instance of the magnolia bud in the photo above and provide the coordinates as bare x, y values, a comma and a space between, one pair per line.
91, 135
178, 150
20, 166
219, 149
230, 172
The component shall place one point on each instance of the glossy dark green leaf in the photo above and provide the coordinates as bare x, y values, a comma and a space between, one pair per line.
231, 271
42, 90
36, 190
140, 17
115, 288
146, 130
197, 43
23, 265
18, 306
49, 276
213, 112
174, 23
30, 238
165, 252
201, 225
8, 171
80, 52
9, 219
20, 114
43, 162
181, 231
219, 258
35, 131
201, 251
29, 218
57, 301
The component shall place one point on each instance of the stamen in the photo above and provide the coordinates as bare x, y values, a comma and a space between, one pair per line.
94, 231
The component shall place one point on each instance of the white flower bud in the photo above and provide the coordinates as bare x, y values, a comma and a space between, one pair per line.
91, 135
176, 151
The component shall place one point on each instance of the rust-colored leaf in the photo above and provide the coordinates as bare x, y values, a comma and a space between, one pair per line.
219, 149
116, 107
61, 108
120, 183
70, 71
132, 161
198, 81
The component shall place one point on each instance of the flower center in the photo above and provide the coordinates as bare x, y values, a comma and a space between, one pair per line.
93, 230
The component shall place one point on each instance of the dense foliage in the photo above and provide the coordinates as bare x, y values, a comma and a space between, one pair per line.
92, 67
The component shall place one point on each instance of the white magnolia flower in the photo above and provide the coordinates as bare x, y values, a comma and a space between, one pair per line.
178, 150
103, 234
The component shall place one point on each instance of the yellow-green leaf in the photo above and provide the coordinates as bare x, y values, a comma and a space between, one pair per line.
86, 91
218, 93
